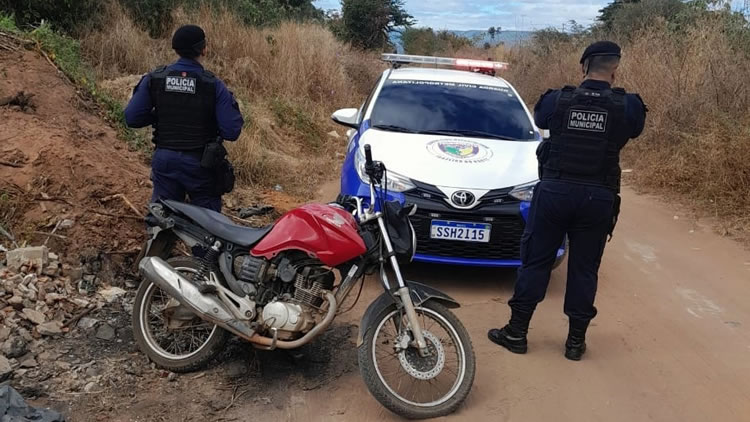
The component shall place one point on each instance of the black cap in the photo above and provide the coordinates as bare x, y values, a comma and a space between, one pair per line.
601, 48
189, 40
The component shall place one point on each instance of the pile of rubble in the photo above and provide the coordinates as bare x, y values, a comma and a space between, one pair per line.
41, 299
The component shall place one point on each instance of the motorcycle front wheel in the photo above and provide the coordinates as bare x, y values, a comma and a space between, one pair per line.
168, 333
408, 384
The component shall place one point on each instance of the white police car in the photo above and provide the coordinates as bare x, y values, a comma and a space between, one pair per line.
459, 143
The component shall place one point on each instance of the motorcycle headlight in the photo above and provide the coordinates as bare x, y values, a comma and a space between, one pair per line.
395, 181
524, 192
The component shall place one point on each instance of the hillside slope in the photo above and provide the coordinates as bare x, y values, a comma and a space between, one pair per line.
61, 161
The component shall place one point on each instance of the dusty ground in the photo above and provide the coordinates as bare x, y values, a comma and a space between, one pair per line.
671, 343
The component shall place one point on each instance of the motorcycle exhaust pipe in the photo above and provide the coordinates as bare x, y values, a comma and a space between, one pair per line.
207, 307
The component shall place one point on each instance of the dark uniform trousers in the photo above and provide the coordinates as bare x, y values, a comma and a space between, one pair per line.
177, 174
558, 208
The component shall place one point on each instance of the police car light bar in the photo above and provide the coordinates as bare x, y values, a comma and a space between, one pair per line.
468, 64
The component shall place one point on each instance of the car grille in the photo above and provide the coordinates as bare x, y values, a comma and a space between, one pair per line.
505, 237
425, 192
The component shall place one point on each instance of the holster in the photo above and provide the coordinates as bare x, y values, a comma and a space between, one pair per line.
215, 159
213, 154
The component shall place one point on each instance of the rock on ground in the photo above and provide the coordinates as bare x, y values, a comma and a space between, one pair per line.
105, 332
111, 294
34, 316
36, 256
50, 328
5, 368
15, 347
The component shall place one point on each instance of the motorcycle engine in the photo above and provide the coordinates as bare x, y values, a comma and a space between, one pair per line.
288, 288
288, 317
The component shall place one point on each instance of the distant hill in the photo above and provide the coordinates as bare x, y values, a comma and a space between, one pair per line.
481, 37
508, 37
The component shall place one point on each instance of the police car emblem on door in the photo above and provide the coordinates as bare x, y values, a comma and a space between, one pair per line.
462, 198
591, 121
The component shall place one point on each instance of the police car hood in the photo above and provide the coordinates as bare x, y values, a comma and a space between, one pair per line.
455, 162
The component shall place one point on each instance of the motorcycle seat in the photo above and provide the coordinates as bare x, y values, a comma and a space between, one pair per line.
218, 224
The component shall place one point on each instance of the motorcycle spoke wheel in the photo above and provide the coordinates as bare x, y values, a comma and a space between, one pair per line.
419, 381
182, 342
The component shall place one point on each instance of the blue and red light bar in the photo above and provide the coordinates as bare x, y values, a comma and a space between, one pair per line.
462, 64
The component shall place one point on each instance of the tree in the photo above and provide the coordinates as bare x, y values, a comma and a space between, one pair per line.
487, 46
492, 31
625, 17
426, 42
368, 23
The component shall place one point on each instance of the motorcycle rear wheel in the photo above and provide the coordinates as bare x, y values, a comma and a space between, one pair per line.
421, 374
177, 349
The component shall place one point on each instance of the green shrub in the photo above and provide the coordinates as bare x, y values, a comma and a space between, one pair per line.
7, 23
66, 15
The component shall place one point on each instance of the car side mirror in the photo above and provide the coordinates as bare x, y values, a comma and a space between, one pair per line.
346, 117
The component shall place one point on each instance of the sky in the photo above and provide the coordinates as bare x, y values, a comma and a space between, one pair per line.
509, 15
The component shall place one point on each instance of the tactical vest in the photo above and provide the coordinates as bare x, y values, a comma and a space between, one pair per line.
588, 130
185, 104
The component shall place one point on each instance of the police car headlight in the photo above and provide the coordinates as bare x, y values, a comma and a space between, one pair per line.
524, 192
395, 182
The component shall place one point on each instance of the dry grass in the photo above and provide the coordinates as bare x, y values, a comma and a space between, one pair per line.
695, 146
288, 79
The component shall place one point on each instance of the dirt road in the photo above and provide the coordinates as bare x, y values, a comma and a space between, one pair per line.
671, 343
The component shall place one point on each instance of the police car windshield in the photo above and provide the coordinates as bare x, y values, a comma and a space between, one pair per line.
452, 108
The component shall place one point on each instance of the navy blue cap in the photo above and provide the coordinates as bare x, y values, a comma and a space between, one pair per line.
189, 38
601, 48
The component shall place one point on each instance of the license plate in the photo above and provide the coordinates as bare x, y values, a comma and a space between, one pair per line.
455, 230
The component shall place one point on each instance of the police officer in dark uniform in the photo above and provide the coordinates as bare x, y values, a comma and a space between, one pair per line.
578, 194
191, 111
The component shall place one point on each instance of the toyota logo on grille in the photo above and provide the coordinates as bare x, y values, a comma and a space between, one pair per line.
462, 198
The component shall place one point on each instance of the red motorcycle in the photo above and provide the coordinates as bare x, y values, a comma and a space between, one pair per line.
282, 286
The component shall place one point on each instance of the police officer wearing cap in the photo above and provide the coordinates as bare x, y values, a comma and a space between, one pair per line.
577, 196
191, 111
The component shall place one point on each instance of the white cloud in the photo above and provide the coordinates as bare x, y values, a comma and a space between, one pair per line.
508, 14
481, 14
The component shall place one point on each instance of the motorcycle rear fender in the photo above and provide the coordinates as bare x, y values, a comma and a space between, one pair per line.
161, 242
420, 294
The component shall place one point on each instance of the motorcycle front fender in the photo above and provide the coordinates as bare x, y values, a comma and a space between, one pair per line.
419, 293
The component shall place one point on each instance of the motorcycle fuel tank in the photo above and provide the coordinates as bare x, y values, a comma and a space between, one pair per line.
326, 232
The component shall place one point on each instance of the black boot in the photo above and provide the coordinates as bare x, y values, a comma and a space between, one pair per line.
575, 346
513, 335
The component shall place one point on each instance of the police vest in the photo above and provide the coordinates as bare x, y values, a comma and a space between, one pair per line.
588, 130
185, 104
